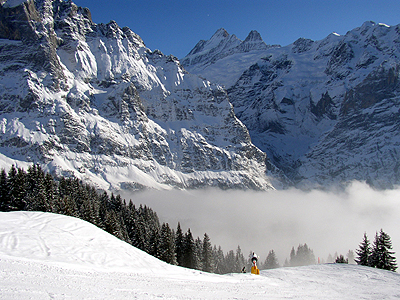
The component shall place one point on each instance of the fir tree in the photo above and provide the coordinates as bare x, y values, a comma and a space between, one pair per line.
271, 262
17, 189
207, 261
179, 245
375, 252
230, 262
68, 206
381, 256
51, 192
350, 257
4, 191
36, 194
364, 252
303, 256
166, 247
139, 236
188, 257
292, 260
115, 203
239, 260
152, 225
286, 263
341, 260
114, 226
130, 218
218, 255
103, 200
198, 254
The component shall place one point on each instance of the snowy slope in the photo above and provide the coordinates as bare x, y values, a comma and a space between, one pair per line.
325, 112
46, 256
91, 100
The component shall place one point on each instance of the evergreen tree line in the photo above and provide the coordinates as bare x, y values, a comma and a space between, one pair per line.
36, 190
340, 258
379, 254
303, 256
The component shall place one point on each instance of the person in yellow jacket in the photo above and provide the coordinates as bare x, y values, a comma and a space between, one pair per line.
254, 269
254, 259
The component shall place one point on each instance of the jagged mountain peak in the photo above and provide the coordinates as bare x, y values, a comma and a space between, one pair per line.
207, 61
220, 34
369, 29
253, 42
220, 42
254, 35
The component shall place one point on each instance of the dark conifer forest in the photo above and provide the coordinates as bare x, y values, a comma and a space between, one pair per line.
35, 190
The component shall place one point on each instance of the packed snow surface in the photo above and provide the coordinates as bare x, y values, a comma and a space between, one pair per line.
48, 256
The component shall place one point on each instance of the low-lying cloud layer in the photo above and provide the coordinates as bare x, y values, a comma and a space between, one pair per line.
328, 222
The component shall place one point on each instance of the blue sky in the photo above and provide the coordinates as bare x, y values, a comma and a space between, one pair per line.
175, 26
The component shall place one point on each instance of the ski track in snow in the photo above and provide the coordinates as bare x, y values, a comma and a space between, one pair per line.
48, 256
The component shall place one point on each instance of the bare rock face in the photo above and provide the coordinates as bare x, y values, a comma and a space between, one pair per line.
325, 112
90, 100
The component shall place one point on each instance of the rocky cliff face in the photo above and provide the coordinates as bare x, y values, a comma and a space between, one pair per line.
91, 100
325, 112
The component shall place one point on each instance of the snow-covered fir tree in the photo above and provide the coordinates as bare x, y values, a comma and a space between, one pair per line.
381, 255
364, 252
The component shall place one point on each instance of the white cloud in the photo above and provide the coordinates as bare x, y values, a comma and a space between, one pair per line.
261, 221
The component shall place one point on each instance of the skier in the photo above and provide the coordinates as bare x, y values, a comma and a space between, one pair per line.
254, 269
254, 259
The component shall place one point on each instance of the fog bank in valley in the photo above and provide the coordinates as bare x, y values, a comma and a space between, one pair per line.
328, 222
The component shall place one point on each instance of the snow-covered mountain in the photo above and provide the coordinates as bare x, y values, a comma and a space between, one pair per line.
211, 59
44, 255
91, 100
325, 112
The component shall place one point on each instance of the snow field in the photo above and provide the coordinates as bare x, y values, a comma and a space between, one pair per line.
48, 256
